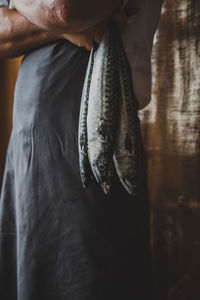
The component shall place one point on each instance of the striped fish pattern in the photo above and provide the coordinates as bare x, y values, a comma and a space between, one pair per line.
85, 169
126, 154
108, 130
103, 108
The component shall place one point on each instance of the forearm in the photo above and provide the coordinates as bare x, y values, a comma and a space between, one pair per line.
18, 35
66, 15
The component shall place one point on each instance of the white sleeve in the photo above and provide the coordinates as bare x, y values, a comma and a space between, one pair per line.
138, 39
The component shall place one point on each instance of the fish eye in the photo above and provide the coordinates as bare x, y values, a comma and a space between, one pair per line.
101, 167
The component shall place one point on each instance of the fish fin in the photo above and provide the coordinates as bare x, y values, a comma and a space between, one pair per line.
106, 188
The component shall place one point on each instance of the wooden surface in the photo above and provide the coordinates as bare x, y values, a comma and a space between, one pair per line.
171, 132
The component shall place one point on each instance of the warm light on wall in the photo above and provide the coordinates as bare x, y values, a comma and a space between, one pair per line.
8, 73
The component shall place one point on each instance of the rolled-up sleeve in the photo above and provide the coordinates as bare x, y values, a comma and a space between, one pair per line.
138, 39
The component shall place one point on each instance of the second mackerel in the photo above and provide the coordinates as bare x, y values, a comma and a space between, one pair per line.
127, 146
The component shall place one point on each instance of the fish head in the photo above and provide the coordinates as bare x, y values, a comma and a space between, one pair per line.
100, 168
100, 162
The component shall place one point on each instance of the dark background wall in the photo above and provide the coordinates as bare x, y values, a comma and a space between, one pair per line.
171, 135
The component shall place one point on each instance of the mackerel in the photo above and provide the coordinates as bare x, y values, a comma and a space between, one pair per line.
85, 169
103, 108
127, 150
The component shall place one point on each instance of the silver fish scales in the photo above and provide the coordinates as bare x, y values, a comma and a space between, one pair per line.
127, 144
85, 169
109, 139
103, 108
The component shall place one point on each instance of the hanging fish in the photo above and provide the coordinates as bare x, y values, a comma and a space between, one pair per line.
108, 125
85, 169
126, 150
103, 108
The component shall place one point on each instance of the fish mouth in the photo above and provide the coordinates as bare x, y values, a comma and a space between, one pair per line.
100, 178
97, 177
129, 187
106, 188
104, 185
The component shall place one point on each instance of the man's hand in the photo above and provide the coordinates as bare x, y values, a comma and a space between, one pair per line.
18, 35
67, 16
86, 38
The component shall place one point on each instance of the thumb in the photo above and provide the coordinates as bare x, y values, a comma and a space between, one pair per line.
99, 31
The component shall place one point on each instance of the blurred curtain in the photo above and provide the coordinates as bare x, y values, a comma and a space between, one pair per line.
171, 132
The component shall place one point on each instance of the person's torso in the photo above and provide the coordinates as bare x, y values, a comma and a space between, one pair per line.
138, 38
